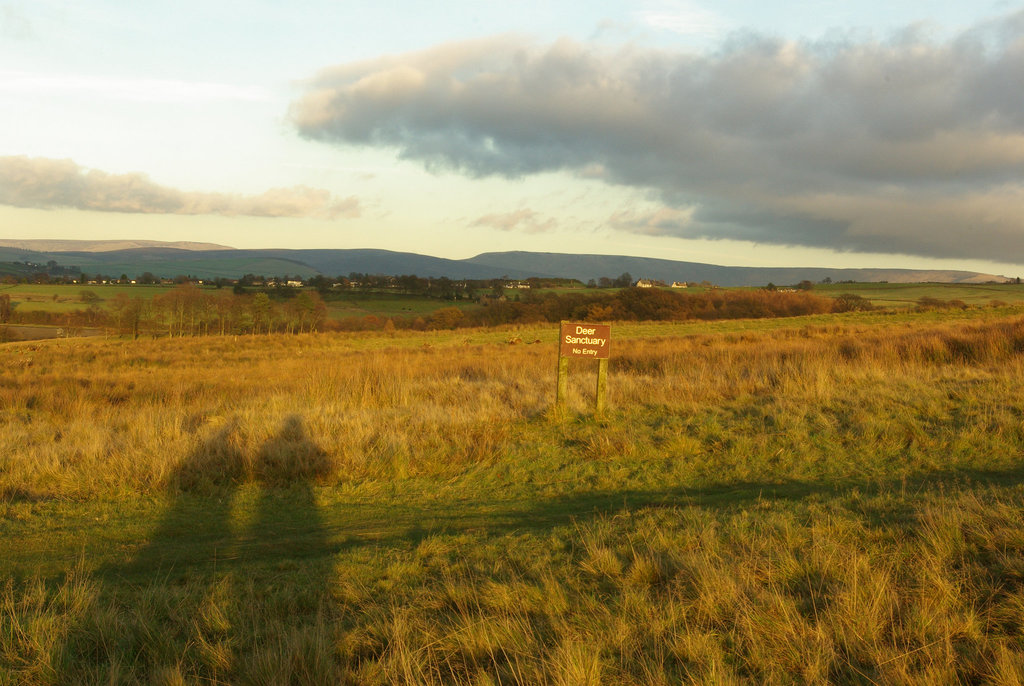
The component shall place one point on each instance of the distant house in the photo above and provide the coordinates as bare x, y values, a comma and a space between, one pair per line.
292, 283
645, 283
678, 284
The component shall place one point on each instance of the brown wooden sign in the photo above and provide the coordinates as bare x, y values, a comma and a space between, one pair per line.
585, 340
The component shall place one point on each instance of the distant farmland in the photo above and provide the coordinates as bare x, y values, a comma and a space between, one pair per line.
63, 305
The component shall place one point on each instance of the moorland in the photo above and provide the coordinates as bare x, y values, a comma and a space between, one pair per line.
828, 498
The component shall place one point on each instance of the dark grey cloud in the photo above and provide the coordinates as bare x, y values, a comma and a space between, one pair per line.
47, 183
906, 144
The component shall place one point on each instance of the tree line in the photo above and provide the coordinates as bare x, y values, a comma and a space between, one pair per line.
651, 304
187, 310
629, 304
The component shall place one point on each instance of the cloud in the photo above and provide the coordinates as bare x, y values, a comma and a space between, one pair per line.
524, 220
848, 143
682, 17
139, 90
13, 23
47, 183
663, 221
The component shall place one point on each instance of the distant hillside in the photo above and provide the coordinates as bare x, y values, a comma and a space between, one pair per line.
584, 267
165, 261
343, 262
232, 263
168, 262
47, 245
14, 269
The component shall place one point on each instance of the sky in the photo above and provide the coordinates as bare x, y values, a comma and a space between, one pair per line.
878, 133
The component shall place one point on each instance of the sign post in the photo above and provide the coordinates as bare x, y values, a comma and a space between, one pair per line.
591, 341
602, 384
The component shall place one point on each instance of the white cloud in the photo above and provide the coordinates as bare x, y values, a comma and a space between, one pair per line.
46, 183
661, 221
523, 220
686, 18
13, 23
849, 144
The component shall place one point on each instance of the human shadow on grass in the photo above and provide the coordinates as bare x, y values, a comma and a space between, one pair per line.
395, 524
210, 584
231, 517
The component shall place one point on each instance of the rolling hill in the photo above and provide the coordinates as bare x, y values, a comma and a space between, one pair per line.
585, 267
170, 260
50, 245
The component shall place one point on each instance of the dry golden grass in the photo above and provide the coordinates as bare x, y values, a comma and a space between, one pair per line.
89, 417
826, 503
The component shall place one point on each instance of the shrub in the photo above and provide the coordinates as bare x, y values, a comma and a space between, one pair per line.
851, 302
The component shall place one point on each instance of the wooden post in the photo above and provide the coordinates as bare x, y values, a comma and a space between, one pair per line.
563, 382
602, 385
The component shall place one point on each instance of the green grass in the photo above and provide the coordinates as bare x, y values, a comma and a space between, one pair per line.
347, 305
67, 298
856, 582
901, 295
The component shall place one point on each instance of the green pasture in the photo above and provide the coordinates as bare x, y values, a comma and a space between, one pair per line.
348, 305
886, 295
902, 295
68, 297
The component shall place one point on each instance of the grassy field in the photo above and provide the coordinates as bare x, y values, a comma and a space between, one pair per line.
387, 305
66, 298
902, 295
831, 499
